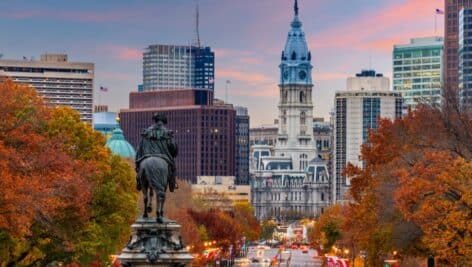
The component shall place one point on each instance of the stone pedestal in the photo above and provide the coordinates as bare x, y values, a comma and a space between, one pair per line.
155, 244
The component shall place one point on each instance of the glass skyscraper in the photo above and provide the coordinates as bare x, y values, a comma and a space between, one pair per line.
178, 67
465, 57
417, 71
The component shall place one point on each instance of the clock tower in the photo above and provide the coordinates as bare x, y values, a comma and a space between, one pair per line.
295, 134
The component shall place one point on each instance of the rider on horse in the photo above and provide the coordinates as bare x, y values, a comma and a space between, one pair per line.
156, 143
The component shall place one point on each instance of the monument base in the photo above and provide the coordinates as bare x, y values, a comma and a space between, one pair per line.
155, 244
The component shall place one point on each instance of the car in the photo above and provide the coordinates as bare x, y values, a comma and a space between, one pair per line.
294, 247
305, 250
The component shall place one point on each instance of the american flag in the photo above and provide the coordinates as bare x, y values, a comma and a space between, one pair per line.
103, 89
439, 11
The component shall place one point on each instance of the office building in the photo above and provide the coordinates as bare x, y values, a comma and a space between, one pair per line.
417, 71
177, 67
263, 134
291, 182
357, 110
451, 45
204, 131
58, 81
465, 57
242, 145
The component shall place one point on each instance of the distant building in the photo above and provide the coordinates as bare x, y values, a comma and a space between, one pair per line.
119, 146
289, 181
105, 122
451, 44
417, 71
100, 108
263, 134
357, 110
220, 191
465, 56
177, 67
58, 81
242, 145
204, 131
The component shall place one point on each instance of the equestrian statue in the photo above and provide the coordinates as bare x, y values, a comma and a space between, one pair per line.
155, 165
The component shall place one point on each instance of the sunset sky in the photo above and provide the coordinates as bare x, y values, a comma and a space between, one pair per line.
247, 36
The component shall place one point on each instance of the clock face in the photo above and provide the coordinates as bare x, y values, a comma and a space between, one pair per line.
302, 75
285, 75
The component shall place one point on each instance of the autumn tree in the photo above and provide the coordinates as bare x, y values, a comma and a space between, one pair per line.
436, 194
63, 196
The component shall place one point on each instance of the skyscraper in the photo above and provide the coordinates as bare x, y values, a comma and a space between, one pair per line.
417, 71
58, 81
242, 145
177, 67
203, 130
465, 57
451, 45
357, 110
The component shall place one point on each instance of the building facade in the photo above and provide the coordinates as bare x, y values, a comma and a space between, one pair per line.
417, 71
357, 110
220, 191
465, 57
242, 145
451, 44
58, 81
177, 67
291, 182
204, 132
263, 134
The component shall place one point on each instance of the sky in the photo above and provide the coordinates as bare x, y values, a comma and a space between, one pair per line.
344, 36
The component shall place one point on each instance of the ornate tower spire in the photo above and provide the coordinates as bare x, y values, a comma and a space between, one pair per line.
296, 8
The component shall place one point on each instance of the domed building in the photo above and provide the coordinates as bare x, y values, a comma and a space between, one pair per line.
119, 146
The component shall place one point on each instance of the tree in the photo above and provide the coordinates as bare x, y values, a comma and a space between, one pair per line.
244, 215
436, 194
267, 229
63, 197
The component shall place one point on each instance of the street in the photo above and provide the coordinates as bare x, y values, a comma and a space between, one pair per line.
298, 259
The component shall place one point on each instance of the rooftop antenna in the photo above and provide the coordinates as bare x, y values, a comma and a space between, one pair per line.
196, 41
296, 8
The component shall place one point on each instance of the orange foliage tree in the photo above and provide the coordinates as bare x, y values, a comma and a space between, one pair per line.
58, 185
393, 156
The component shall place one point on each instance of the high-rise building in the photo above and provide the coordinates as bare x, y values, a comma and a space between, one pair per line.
204, 131
417, 71
177, 67
242, 145
357, 110
293, 181
465, 57
451, 45
58, 81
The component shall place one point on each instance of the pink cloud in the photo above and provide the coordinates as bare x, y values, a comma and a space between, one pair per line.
250, 77
123, 52
394, 24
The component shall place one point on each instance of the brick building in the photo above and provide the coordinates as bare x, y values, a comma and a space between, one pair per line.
204, 132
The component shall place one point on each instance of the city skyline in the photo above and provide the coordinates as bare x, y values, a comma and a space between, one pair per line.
343, 38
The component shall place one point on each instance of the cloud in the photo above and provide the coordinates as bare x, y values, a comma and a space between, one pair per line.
121, 52
380, 30
77, 16
244, 76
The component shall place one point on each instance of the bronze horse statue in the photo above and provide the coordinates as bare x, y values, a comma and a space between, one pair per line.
155, 166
